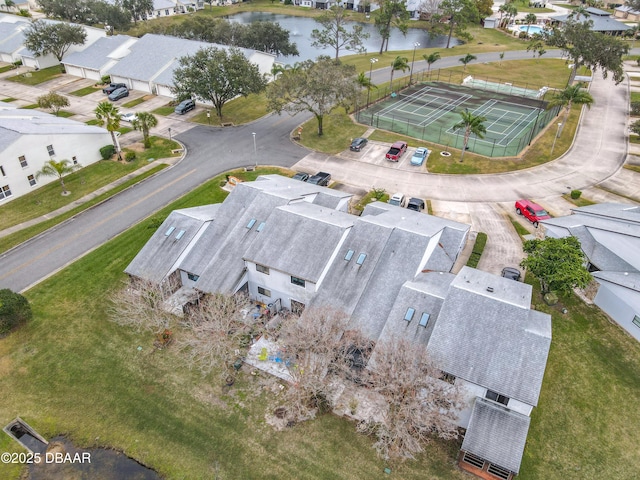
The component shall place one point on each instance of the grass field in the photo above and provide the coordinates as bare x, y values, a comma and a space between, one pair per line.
71, 370
35, 77
85, 91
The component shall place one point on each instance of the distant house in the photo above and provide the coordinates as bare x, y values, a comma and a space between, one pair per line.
609, 234
12, 37
29, 138
602, 21
626, 12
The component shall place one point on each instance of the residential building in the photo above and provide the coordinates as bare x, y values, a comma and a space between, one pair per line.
625, 12
29, 138
12, 37
609, 234
602, 21
95, 61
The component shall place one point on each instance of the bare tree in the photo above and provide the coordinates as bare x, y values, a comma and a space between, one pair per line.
141, 304
419, 406
214, 330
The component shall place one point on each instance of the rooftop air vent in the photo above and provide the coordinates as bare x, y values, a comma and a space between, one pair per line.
489, 289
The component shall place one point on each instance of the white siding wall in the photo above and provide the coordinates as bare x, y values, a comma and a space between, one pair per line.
621, 304
280, 285
34, 147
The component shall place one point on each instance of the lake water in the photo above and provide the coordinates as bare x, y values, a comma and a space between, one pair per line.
300, 29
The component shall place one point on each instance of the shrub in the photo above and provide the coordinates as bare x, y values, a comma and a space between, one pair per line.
288, 2
14, 310
130, 156
478, 248
107, 152
635, 108
575, 194
635, 127
106, 79
523, 35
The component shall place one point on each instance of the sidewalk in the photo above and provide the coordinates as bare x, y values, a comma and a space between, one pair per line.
34, 221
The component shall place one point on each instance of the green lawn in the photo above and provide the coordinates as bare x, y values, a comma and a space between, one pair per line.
338, 130
65, 114
6, 68
164, 111
135, 102
635, 97
35, 77
237, 111
9, 99
581, 201
72, 371
86, 91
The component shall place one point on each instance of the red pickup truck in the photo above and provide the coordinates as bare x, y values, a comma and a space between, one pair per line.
531, 211
396, 151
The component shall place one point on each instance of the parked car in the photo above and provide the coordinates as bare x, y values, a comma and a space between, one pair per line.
320, 178
128, 117
511, 273
303, 177
112, 87
531, 211
416, 204
358, 144
185, 106
396, 151
398, 199
118, 94
419, 155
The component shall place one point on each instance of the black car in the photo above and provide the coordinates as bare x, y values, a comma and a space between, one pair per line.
511, 273
358, 144
303, 177
320, 178
113, 87
185, 106
118, 94
416, 204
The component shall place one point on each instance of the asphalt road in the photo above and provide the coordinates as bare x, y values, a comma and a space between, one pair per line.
211, 151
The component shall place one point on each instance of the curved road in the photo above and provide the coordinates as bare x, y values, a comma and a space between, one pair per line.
598, 153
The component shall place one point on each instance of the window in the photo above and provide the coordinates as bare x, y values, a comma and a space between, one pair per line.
349, 255
32, 180
260, 227
361, 258
251, 223
298, 281
264, 291
424, 319
50, 150
472, 459
447, 377
262, 269
74, 160
2, 171
180, 234
193, 277
496, 397
169, 231
5, 192
409, 315
23, 161
636, 321
498, 471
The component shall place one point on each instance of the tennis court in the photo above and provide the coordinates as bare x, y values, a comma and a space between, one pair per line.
429, 110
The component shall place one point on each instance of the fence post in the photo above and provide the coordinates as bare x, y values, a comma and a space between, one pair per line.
493, 147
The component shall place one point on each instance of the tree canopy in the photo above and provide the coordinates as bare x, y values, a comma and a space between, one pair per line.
43, 38
14, 310
334, 33
216, 76
472, 124
145, 121
53, 101
108, 115
317, 87
139, 9
558, 263
392, 13
88, 12
459, 14
57, 168
573, 94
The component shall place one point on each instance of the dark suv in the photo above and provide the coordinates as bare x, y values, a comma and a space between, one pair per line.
185, 106
358, 144
320, 178
113, 87
416, 204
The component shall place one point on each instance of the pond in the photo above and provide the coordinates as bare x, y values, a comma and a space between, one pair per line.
300, 29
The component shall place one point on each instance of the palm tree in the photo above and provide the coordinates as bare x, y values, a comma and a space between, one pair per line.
509, 10
466, 59
9, 4
400, 63
579, 11
364, 81
573, 94
143, 122
529, 19
59, 169
432, 58
471, 124
108, 116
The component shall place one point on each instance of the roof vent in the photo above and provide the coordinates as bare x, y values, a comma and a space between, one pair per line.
489, 289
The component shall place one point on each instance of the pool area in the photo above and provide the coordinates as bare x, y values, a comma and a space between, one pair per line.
532, 28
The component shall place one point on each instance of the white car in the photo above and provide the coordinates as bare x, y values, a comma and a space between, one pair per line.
128, 117
398, 199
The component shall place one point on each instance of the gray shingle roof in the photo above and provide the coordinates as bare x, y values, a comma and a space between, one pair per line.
624, 279
96, 55
11, 36
496, 434
499, 344
299, 239
600, 23
158, 258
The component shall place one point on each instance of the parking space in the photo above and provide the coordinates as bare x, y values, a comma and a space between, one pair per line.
374, 154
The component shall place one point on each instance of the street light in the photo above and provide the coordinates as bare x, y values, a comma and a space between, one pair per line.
415, 45
372, 60
555, 138
255, 150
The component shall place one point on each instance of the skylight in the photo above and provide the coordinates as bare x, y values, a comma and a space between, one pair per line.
169, 231
260, 227
409, 315
180, 235
349, 255
424, 319
361, 258
251, 223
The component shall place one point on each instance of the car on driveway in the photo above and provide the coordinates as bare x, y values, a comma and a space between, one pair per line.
118, 94
185, 106
128, 117
320, 178
531, 211
511, 273
398, 199
358, 144
416, 204
113, 87
303, 177
396, 151
419, 155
